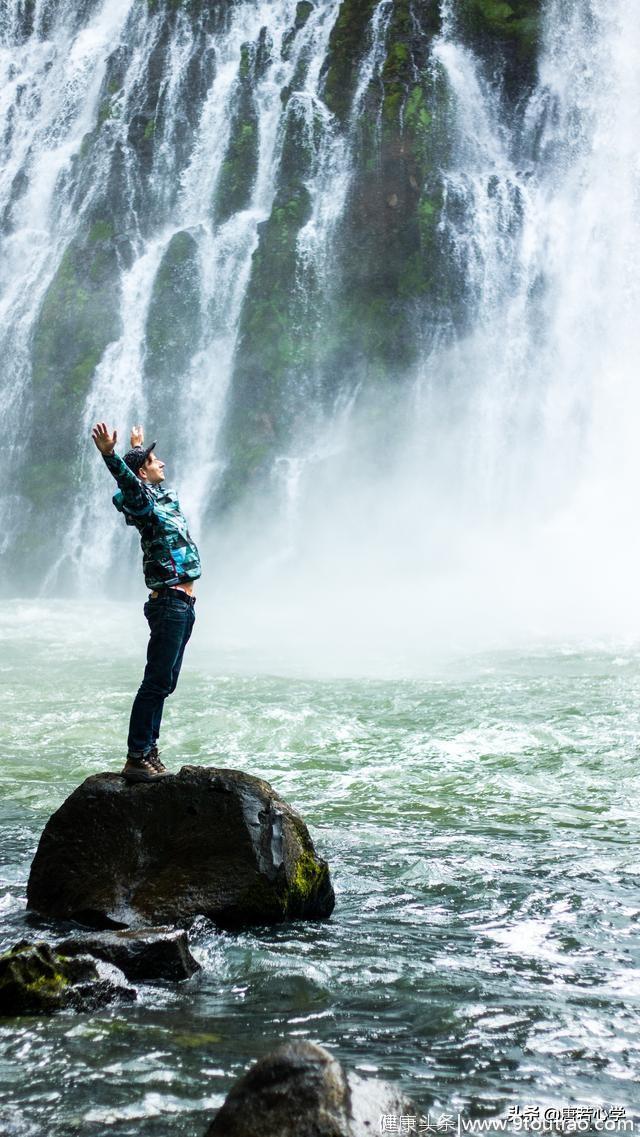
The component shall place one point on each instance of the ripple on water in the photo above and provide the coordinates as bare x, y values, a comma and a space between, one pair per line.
480, 827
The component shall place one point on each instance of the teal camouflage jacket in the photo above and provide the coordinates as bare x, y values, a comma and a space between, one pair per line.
169, 554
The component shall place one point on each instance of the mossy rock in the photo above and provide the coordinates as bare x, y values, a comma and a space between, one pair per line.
505, 30
34, 980
210, 842
190, 7
240, 166
78, 319
276, 340
513, 20
389, 265
295, 342
37, 980
173, 323
347, 46
304, 8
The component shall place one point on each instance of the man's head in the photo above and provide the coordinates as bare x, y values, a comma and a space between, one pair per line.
144, 463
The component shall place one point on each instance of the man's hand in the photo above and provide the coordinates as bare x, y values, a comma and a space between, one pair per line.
105, 442
137, 436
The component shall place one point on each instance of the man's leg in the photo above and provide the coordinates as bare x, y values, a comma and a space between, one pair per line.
185, 640
169, 620
157, 718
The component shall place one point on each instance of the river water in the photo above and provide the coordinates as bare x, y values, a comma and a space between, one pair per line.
479, 818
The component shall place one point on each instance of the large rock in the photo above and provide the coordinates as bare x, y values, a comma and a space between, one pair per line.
36, 980
208, 842
301, 1089
141, 954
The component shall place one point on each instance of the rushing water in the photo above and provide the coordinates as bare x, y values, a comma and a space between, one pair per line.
472, 779
480, 823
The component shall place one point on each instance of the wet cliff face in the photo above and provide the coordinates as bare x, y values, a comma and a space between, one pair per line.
222, 218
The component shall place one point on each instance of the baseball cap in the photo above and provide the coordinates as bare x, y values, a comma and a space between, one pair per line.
137, 457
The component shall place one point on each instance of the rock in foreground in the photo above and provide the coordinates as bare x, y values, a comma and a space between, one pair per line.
301, 1089
204, 842
144, 954
36, 980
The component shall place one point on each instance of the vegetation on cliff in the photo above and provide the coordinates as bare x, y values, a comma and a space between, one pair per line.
507, 34
78, 319
299, 339
173, 320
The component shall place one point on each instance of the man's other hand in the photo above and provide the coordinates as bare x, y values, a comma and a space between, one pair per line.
105, 442
137, 436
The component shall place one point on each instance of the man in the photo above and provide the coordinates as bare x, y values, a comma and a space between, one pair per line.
171, 564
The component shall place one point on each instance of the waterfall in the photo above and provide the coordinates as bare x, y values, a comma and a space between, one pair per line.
378, 307
497, 489
545, 220
543, 211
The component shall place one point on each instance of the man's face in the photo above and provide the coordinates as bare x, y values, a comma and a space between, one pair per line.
152, 471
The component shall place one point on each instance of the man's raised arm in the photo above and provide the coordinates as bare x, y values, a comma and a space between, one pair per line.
128, 482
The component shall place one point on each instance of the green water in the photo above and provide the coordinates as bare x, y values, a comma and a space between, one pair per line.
480, 821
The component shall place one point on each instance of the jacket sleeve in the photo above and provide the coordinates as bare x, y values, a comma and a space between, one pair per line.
135, 497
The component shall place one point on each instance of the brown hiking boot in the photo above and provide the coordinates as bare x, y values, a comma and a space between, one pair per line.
139, 768
156, 760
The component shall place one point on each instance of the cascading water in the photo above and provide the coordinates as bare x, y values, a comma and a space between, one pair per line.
124, 128
545, 221
71, 153
496, 497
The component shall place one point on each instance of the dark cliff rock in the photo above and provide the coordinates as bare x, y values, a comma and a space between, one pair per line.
394, 285
389, 262
35, 979
143, 954
299, 343
507, 35
235, 185
173, 320
347, 46
274, 340
209, 842
301, 1089
78, 319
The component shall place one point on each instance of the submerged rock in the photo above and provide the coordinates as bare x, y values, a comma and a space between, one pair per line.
143, 954
301, 1089
35, 980
210, 842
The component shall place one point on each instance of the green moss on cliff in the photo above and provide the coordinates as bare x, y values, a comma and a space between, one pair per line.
173, 323
506, 31
78, 319
240, 165
347, 45
275, 342
386, 256
518, 20
388, 237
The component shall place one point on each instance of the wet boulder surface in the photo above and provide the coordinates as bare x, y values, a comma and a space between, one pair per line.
144, 954
204, 842
36, 979
300, 1088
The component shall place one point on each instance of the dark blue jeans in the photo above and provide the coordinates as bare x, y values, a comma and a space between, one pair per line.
171, 621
